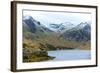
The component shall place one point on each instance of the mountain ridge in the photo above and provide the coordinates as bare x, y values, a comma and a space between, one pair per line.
80, 32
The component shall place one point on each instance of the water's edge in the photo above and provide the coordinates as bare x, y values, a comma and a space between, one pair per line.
70, 54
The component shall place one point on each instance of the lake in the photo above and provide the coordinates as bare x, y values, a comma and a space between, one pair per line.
70, 54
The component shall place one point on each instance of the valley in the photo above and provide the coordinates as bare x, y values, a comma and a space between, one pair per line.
38, 39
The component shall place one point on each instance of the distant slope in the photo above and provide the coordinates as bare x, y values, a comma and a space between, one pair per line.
36, 34
38, 39
60, 28
33, 28
81, 32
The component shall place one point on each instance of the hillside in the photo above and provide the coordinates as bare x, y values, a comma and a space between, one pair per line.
38, 39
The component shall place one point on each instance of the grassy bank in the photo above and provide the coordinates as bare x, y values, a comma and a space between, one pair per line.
35, 58
35, 46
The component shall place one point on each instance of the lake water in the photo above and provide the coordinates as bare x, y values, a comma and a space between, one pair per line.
70, 54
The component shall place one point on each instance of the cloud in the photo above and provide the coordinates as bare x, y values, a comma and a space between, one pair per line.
58, 17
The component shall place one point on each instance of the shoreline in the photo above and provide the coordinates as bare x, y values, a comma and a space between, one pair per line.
69, 49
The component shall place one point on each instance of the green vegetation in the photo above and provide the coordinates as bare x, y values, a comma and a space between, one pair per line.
36, 45
34, 52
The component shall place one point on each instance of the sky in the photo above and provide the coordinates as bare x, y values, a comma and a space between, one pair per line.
50, 17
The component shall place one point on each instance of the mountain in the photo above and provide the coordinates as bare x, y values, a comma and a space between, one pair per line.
34, 33
38, 38
61, 27
82, 32
30, 23
33, 25
33, 28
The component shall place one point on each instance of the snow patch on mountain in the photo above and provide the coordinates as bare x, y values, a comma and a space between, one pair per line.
61, 27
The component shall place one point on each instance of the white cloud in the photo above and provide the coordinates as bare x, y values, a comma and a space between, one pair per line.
58, 17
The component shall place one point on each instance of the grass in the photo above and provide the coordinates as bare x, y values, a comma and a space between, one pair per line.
38, 58
36, 45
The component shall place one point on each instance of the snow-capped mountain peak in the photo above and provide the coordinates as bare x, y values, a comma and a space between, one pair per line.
82, 25
27, 17
60, 27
